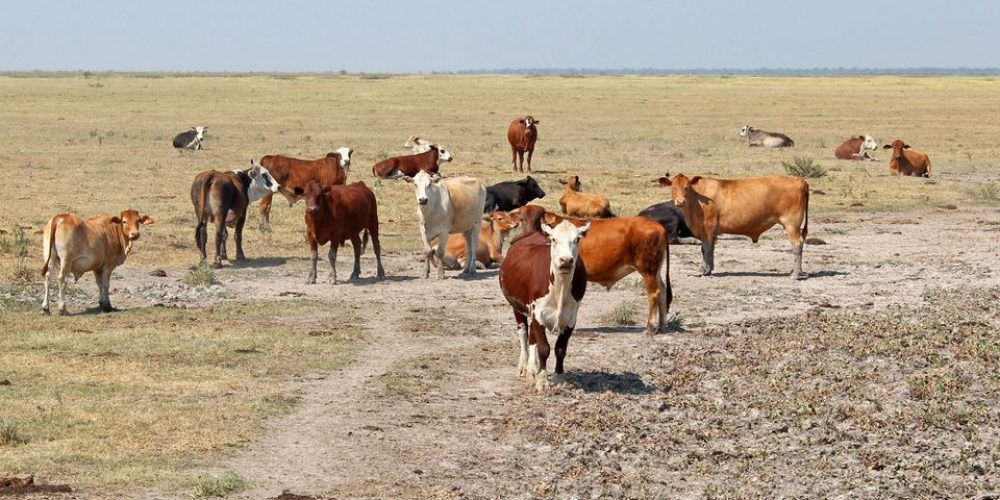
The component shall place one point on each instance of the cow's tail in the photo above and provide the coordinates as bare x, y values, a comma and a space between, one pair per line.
805, 215
928, 167
49, 242
364, 241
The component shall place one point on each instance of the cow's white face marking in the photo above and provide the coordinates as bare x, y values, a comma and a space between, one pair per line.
564, 245
870, 144
444, 155
345, 157
425, 188
200, 132
745, 130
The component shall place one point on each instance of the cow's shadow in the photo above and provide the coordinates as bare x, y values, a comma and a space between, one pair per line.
260, 262
620, 383
371, 280
637, 329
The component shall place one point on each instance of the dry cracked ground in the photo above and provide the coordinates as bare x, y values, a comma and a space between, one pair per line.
877, 376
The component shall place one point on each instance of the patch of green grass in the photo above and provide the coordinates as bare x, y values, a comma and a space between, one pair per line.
10, 433
674, 323
805, 167
622, 315
202, 275
220, 486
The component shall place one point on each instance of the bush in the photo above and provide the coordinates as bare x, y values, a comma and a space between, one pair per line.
10, 434
623, 315
18, 246
219, 486
203, 275
804, 167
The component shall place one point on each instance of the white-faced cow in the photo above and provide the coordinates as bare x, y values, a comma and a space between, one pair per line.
522, 134
743, 206
544, 281
293, 174
857, 148
99, 244
446, 206
409, 165
190, 139
765, 139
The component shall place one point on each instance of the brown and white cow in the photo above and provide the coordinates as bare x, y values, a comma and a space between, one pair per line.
615, 248
336, 214
905, 161
99, 244
223, 197
544, 281
496, 227
522, 134
742, 206
856, 148
293, 174
447, 206
409, 165
576, 203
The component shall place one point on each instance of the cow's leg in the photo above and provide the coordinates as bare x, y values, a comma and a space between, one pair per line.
708, 255
798, 240
654, 298
439, 253
48, 277
428, 251
62, 287
513, 157
220, 237
562, 342
537, 337
373, 233
225, 240
240, 221
520, 161
522, 337
101, 296
333, 263
469, 266
264, 210
201, 238
530, 152
106, 291
314, 254
356, 243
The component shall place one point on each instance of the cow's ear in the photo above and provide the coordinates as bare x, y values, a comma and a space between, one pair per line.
906, 146
536, 121
694, 180
436, 178
407, 178
861, 137
146, 220
521, 121
887, 146
562, 181
664, 181
583, 230
116, 220
545, 228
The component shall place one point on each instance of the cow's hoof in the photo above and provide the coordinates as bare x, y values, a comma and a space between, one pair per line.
217, 265
46, 311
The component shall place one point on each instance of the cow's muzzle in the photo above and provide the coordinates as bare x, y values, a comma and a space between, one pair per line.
133, 236
422, 201
566, 265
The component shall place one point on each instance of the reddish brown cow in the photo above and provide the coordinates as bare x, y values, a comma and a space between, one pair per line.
905, 161
409, 165
522, 134
293, 174
856, 148
336, 214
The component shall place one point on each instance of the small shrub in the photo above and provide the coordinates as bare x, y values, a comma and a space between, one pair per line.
674, 323
19, 245
203, 275
219, 486
623, 315
989, 192
804, 167
10, 434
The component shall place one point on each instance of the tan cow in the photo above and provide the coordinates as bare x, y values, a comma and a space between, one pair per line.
576, 203
447, 206
98, 244
743, 206
492, 235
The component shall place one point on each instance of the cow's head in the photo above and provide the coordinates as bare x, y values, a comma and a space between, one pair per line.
345, 158
443, 154
417, 145
529, 121
426, 187
746, 130
504, 222
262, 183
897, 148
531, 189
564, 245
572, 183
679, 187
869, 143
314, 193
130, 220
200, 131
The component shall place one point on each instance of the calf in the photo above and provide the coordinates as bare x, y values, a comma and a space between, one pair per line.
617, 247
522, 134
190, 139
905, 161
99, 244
511, 195
575, 203
448, 206
856, 148
671, 218
336, 214
745, 206
223, 197
489, 248
765, 139
409, 165
293, 174
544, 281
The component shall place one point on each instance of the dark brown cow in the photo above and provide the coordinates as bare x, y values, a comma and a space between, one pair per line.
336, 214
293, 174
522, 134
905, 161
409, 165
544, 281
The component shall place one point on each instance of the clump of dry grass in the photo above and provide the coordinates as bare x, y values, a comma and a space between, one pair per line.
10, 433
621, 315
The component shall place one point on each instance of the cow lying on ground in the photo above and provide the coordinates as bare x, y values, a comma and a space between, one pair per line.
745, 206
765, 139
446, 206
489, 245
190, 139
905, 161
856, 148
575, 203
292, 174
99, 244
409, 165
615, 248
544, 281
510, 195
223, 197
672, 219
336, 214
522, 134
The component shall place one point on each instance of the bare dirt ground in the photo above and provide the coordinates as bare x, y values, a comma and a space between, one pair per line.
432, 406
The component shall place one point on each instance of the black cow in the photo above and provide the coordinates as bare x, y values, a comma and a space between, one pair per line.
509, 195
671, 218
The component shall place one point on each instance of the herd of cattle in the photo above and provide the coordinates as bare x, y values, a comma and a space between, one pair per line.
464, 225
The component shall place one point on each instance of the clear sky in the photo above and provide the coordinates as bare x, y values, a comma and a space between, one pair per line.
430, 35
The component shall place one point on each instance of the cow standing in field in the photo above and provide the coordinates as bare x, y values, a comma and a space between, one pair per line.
446, 206
190, 139
856, 148
223, 197
905, 161
522, 134
409, 165
745, 206
99, 244
336, 214
511, 195
489, 246
293, 174
765, 139
544, 280
576, 203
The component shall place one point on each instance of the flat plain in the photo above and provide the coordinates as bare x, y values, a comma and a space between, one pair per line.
874, 376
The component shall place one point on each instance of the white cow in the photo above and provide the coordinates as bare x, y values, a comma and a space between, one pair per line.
447, 206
